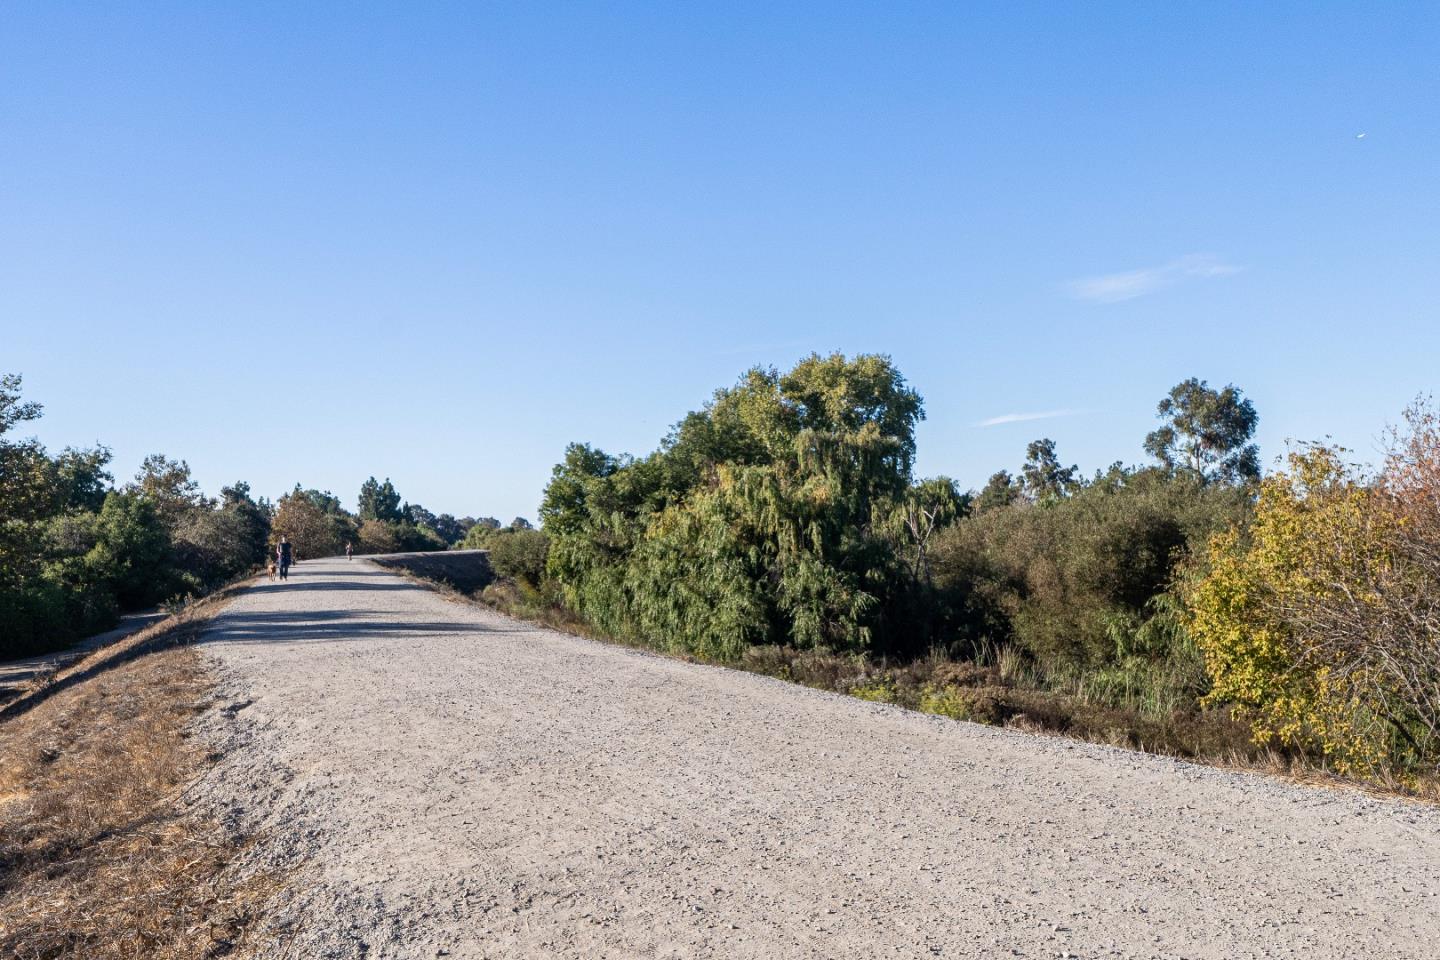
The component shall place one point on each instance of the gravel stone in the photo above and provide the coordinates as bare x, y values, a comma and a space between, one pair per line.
440, 774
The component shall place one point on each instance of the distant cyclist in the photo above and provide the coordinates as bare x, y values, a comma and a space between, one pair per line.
283, 556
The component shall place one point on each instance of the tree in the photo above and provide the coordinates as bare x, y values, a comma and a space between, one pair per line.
248, 525
1042, 476
379, 501
1000, 490
928, 506
133, 554
24, 491
1322, 621
765, 517
82, 478
451, 530
1207, 432
12, 411
168, 485
419, 516
520, 555
377, 536
1081, 582
312, 531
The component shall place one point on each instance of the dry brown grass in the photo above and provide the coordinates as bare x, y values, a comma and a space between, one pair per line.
99, 855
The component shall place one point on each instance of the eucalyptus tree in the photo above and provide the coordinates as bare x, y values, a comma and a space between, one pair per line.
1207, 433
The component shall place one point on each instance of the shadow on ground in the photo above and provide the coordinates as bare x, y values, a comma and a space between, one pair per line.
332, 625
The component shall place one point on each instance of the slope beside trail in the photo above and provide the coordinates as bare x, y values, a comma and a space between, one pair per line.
460, 784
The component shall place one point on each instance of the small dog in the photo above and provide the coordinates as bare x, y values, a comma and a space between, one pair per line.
270, 568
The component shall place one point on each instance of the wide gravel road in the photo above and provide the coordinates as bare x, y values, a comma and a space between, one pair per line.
458, 784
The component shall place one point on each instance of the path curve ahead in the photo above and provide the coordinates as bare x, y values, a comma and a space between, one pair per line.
469, 786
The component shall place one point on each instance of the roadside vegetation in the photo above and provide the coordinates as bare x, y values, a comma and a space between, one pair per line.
100, 857
1185, 605
76, 549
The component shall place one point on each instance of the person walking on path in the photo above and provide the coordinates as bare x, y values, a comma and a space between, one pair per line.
283, 555
347, 549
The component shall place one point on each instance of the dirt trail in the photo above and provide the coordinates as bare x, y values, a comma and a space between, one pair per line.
468, 786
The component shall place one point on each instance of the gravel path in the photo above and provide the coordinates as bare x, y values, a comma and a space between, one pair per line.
467, 786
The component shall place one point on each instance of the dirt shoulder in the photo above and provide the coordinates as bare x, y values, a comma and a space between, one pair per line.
466, 783
102, 853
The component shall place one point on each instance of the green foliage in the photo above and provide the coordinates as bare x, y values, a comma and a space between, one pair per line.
169, 488
519, 553
1207, 433
379, 501
1319, 621
213, 544
1078, 581
766, 517
132, 551
450, 530
1043, 477
881, 690
1000, 490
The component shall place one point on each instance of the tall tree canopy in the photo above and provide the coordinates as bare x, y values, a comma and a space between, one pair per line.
379, 501
1207, 432
767, 516
1043, 476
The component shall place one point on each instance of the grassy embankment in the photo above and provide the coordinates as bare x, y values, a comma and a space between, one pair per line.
100, 855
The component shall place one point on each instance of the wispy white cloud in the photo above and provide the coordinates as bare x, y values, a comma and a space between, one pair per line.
1022, 417
1117, 287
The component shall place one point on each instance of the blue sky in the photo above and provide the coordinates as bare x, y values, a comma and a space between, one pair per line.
438, 242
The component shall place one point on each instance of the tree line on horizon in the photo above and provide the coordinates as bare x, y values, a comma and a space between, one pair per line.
77, 550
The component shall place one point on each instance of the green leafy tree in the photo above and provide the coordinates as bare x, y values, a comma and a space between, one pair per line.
415, 514
765, 517
1076, 585
168, 485
24, 491
1000, 490
82, 479
309, 527
1207, 432
379, 501
927, 507
1042, 476
451, 530
222, 542
521, 555
133, 552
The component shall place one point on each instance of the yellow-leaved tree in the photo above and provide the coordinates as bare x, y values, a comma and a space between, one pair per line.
1321, 622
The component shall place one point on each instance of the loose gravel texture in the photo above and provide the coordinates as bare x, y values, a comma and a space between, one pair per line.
449, 782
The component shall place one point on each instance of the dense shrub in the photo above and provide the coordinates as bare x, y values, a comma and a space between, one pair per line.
763, 518
1080, 581
377, 536
74, 551
520, 554
1322, 620
314, 523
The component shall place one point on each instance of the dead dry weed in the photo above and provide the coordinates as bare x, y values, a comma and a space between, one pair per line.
100, 855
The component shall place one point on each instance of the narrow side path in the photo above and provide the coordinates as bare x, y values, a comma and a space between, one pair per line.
15, 675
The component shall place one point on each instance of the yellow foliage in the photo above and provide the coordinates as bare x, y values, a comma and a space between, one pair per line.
1312, 524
